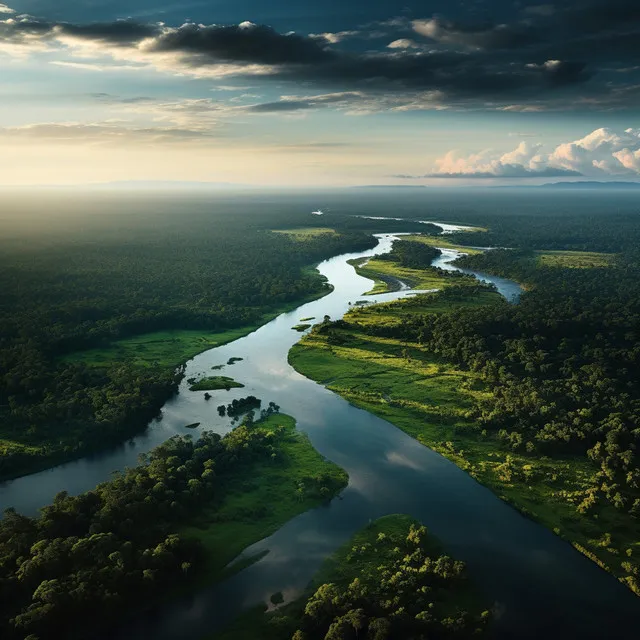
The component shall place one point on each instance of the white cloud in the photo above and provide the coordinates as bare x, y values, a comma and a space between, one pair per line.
108, 132
403, 43
5, 9
92, 66
601, 153
334, 38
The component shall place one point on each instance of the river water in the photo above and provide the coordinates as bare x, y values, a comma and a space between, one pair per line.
540, 586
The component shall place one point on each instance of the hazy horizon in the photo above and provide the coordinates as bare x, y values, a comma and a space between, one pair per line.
358, 93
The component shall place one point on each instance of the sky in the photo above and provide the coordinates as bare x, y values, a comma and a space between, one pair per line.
336, 93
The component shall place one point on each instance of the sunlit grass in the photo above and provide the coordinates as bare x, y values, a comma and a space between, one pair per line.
441, 241
262, 500
575, 259
305, 233
433, 401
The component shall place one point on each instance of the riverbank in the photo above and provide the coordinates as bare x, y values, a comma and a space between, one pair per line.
389, 275
370, 558
433, 401
154, 362
163, 529
262, 500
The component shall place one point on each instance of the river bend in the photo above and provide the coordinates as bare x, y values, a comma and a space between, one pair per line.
540, 586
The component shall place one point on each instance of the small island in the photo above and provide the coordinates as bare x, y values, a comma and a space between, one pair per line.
301, 327
214, 383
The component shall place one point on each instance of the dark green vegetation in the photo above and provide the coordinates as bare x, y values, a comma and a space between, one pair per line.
540, 400
409, 262
390, 581
214, 383
269, 494
89, 560
100, 303
301, 327
411, 255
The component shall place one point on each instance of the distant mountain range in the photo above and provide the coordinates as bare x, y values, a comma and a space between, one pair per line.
169, 185
389, 186
591, 184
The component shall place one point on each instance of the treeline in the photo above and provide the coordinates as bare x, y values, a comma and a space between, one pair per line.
563, 367
86, 559
413, 255
549, 229
79, 280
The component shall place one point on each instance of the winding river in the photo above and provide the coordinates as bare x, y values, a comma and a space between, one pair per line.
541, 587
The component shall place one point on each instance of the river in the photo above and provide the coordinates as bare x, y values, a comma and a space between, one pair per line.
540, 586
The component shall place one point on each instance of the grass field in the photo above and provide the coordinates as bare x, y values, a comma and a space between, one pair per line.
306, 232
341, 569
431, 401
170, 349
441, 241
386, 273
264, 498
575, 259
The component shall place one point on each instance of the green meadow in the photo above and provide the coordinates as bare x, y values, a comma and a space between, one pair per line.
265, 497
305, 233
575, 259
432, 400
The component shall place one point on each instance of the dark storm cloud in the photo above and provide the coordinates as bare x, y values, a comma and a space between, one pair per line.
592, 32
483, 36
541, 57
121, 32
280, 107
246, 43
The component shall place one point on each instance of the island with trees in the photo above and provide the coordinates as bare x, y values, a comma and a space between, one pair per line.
391, 580
173, 522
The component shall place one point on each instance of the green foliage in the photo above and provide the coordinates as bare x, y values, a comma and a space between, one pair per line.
549, 409
391, 580
413, 255
87, 558
387, 272
96, 316
256, 504
214, 383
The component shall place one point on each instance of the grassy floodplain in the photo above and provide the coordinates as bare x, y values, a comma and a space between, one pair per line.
386, 273
441, 241
266, 497
303, 234
363, 558
575, 259
431, 400
170, 349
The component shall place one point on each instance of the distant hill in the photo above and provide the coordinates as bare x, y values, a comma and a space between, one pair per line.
170, 185
591, 184
389, 186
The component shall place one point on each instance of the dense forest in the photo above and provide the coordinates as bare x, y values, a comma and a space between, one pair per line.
392, 580
75, 279
400, 588
85, 559
411, 254
563, 369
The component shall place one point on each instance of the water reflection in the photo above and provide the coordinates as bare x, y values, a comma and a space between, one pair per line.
544, 587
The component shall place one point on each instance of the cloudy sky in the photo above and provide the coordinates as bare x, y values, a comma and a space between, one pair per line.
338, 92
